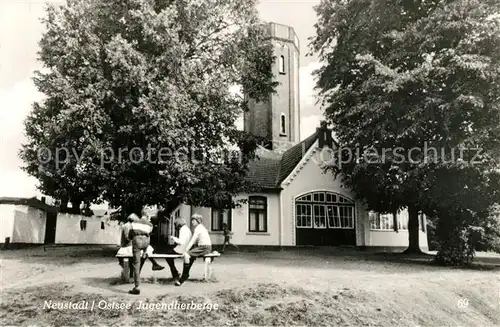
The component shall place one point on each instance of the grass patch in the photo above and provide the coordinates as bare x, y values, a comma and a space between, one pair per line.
264, 304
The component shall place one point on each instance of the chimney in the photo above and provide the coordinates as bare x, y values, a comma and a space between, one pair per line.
325, 137
43, 199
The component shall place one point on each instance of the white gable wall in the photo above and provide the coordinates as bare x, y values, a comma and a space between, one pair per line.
307, 177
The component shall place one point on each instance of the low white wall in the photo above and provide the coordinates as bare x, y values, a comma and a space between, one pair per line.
7, 218
395, 239
68, 230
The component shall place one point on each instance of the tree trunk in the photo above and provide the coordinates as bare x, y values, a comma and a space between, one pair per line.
130, 207
63, 207
413, 231
75, 206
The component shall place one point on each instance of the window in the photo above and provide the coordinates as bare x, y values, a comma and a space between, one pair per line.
304, 216
324, 197
329, 210
333, 216
102, 224
346, 215
282, 64
220, 217
381, 221
403, 220
283, 124
171, 224
83, 224
257, 214
386, 221
319, 216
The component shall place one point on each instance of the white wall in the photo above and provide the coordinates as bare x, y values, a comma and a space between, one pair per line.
309, 178
29, 225
395, 239
23, 224
68, 230
7, 218
241, 235
392, 238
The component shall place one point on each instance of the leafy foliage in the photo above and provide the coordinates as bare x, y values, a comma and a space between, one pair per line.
412, 88
138, 96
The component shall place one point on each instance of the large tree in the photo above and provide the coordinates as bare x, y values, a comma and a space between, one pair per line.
408, 85
463, 198
139, 100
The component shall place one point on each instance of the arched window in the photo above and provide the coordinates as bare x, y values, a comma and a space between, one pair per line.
324, 210
283, 124
282, 64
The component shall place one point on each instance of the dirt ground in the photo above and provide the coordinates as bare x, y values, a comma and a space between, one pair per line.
294, 287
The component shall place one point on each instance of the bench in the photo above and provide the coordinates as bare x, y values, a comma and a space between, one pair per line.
127, 273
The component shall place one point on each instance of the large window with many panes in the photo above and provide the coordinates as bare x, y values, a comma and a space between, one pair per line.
324, 210
389, 222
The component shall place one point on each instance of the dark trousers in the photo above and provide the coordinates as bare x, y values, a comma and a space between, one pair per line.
139, 243
170, 261
185, 270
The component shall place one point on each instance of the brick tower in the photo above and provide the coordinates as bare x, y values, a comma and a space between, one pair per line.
278, 119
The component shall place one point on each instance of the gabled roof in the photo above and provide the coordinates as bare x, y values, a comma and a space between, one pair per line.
32, 202
293, 156
270, 169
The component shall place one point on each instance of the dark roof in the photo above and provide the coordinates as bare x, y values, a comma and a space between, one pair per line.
32, 202
264, 170
292, 157
270, 169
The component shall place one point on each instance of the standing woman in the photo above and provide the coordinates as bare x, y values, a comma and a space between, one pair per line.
139, 234
199, 246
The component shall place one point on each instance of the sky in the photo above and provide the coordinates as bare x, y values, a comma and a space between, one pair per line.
20, 31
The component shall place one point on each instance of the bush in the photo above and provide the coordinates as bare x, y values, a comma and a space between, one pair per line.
458, 241
455, 247
490, 239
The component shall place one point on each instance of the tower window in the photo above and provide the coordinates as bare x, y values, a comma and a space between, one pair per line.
283, 124
282, 64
